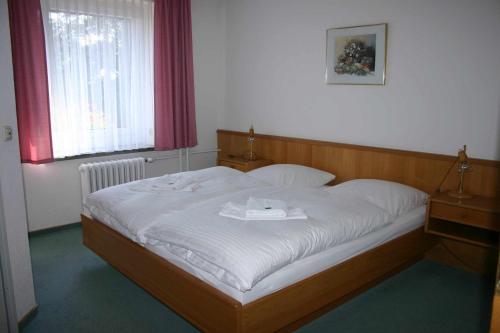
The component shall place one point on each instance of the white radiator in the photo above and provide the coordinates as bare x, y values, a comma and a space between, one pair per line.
99, 175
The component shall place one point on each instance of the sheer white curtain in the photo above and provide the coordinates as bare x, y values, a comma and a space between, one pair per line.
100, 64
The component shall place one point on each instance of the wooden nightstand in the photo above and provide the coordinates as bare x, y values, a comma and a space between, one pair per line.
242, 164
475, 220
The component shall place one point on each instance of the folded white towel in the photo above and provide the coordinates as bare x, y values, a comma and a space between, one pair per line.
259, 214
262, 209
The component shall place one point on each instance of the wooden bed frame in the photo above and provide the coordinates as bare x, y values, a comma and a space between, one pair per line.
285, 310
212, 311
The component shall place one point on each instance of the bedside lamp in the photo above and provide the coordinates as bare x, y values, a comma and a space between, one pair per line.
251, 156
463, 166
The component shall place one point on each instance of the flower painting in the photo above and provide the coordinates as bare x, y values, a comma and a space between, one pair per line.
356, 55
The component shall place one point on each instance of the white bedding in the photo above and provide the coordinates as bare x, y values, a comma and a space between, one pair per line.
179, 221
132, 207
306, 267
241, 253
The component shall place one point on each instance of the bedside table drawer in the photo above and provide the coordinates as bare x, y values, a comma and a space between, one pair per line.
233, 165
467, 216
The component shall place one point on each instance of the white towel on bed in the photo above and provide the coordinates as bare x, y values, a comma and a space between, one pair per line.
262, 209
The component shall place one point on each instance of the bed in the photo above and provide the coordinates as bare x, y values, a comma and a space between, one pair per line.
180, 227
213, 311
316, 286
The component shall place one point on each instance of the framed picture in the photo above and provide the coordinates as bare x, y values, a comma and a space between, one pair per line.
356, 55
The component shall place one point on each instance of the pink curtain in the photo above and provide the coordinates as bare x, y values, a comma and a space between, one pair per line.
30, 81
175, 123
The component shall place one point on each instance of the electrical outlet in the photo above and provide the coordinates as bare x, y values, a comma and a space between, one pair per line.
6, 133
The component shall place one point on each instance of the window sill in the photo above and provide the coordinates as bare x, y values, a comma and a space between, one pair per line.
111, 153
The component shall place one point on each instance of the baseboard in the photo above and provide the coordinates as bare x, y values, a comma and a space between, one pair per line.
27, 317
57, 228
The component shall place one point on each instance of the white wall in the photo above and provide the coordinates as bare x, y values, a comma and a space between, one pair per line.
53, 190
11, 188
209, 43
443, 75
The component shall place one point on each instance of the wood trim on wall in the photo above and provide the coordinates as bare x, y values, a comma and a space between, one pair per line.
422, 170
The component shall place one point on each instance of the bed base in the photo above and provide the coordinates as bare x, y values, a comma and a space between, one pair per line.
285, 310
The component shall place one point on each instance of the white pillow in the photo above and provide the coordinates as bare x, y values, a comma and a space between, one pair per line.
292, 175
395, 198
218, 171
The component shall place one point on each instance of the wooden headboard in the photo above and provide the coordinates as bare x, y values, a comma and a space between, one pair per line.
421, 170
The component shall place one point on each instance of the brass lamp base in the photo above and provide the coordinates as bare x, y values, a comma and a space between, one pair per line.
459, 195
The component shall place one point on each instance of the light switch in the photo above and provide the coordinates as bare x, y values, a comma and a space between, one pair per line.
6, 133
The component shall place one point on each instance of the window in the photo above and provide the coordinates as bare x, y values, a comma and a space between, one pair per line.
100, 65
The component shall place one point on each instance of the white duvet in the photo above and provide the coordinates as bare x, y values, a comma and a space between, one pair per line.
241, 253
135, 206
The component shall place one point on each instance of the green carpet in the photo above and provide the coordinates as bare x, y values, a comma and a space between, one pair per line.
78, 292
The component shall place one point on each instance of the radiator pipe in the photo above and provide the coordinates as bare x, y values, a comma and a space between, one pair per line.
180, 160
205, 151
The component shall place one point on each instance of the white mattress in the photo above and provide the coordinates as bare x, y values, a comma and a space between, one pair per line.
298, 270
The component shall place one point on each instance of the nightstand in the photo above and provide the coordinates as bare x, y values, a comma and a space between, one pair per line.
475, 220
242, 164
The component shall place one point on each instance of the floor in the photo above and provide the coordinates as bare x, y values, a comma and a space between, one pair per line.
78, 292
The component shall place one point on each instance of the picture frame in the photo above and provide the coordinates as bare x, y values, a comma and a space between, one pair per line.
356, 55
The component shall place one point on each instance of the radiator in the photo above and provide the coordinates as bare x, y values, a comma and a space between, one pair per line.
99, 175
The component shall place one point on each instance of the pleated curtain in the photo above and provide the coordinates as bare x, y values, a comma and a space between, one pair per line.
30, 81
175, 120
